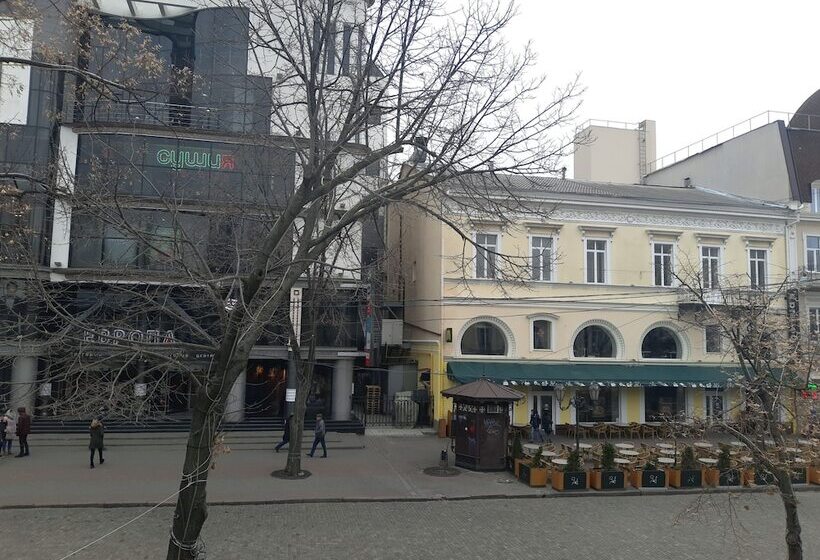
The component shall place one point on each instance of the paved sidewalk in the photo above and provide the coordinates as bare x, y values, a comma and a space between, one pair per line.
144, 469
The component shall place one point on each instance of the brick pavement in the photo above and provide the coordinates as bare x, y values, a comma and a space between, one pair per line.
615, 528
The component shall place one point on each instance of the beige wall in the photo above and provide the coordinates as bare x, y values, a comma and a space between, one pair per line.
611, 154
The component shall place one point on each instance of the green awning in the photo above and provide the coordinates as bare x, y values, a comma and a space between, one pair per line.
574, 373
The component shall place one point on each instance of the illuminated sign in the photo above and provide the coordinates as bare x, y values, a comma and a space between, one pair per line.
114, 336
195, 159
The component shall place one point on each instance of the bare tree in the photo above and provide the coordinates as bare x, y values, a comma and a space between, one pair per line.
430, 99
774, 361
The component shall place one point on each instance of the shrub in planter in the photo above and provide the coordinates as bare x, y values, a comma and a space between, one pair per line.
534, 472
607, 477
648, 477
689, 475
571, 478
725, 475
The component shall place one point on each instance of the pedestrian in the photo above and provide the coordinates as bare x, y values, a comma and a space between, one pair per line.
535, 424
11, 430
285, 435
4, 423
546, 422
96, 431
319, 436
23, 430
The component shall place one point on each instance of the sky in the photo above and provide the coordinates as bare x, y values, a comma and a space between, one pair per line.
695, 67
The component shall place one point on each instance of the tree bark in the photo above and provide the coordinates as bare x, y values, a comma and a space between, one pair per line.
192, 508
794, 541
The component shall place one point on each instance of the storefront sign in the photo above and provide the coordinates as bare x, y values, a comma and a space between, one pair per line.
114, 336
793, 311
290, 395
195, 159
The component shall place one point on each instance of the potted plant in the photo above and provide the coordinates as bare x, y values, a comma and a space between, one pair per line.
517, 452
607, 477
534, 471
650, 476
689, 475
726, 475
573, 477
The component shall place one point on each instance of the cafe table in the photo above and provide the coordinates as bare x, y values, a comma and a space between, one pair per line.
559, 461
628, 452
625, 445
621, 461
665, 460
665, 446
737, 443
530, 447
703, 444
549, 454
708, 461
666, 451
586, 446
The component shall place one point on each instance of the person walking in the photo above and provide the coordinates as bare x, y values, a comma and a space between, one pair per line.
285, 435
96, 431
535, 424
23, 430
4, 423
319, 436
11, 430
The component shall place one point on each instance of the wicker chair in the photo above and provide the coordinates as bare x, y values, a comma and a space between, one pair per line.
648, 431
634, 430
601, 430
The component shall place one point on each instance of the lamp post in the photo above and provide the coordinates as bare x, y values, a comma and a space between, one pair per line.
578, 402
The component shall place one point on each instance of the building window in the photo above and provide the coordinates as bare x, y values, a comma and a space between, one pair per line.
593, 342
541, 251
605, 409
542, 335
710, 257
662, 263
757, 268
596, 261
664, 403
484, 339
713, 339
813, 253
486, 250
814, 321
660, 344
118, 248
815, 200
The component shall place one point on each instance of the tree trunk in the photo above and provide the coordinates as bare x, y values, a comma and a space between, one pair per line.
794, 541
192, 509
305, 380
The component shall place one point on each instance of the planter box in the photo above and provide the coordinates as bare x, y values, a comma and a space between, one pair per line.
748, 477
680, 478
562, 480
711, 477
517, 466
648, 479
536, 477
606, 480
732, 477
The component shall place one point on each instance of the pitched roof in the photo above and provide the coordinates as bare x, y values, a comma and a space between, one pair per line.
483, 390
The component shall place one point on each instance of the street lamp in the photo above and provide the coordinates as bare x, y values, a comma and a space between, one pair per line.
578, 402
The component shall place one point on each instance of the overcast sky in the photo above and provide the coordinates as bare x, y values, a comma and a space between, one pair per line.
695, 67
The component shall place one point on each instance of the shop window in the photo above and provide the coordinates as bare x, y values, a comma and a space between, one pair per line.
605, 409
594, 342
484, 339
660, 344
118, 247
664, 403
542, 335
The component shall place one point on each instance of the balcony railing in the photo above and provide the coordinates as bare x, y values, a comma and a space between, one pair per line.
149, 113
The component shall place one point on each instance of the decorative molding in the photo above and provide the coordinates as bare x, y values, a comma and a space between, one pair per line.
592, 231
752, 240
508, 333
617, 338
638, 218
652, 233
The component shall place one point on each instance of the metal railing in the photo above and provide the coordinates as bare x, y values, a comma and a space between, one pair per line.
149, 113
608, 124
389, 413
802, 122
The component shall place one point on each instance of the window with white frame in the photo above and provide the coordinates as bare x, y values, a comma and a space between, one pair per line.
757, 268
813, 253
713, 339
662, 263
541, 251
814, 322
710, 259
485, 257
541, 334
815, 199
596, 261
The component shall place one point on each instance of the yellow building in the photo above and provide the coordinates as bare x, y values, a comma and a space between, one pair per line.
582, 287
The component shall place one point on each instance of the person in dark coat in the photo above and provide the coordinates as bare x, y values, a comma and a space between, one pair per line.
96, 431
23, 430
535, 424
285, 435
319, 437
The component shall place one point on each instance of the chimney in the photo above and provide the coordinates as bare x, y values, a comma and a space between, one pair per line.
563, 172
687, 182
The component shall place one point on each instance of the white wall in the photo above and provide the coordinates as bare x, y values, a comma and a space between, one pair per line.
611, 154
751, 165
15, 79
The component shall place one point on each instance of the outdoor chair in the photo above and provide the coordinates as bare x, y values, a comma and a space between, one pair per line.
648, 431
600, 430
634, 430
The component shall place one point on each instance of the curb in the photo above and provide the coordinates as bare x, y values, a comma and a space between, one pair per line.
409, 499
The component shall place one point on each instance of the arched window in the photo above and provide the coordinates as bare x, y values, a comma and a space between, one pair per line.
661, 344
593, 342
485, 339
